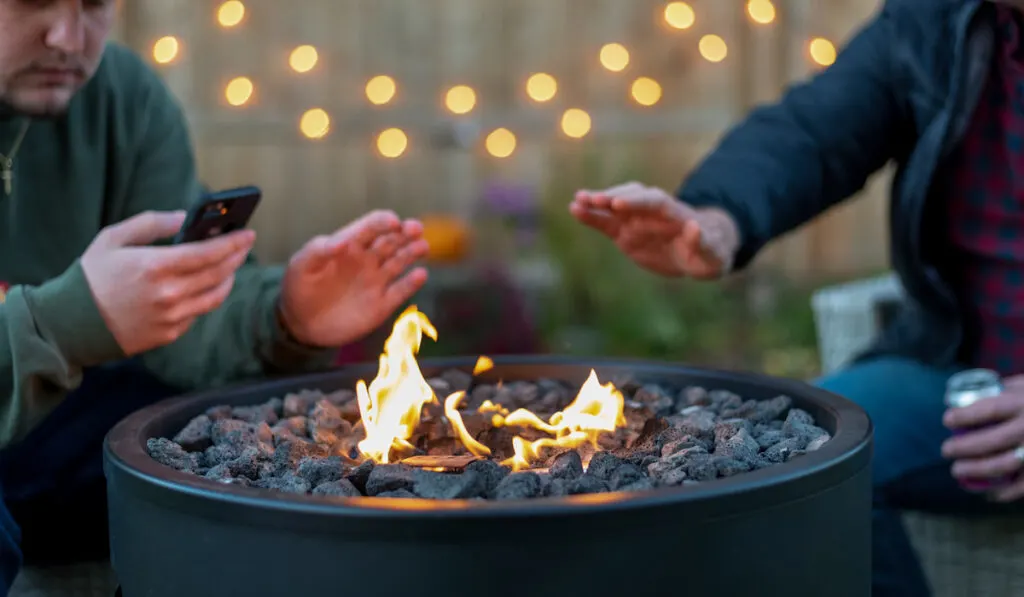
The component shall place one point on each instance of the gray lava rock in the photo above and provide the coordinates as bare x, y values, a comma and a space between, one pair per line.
299, 404
491, 472
769, 410
320, 470
519, 486
389, 477
446, 486
252, 463
818, 442
557, 488
655, 398
769, 438
627, 474
338, 488
588, 483
641, 484
727, 467
296, 425
267, 412
700, 424
171, 454
741, 446
603, 465
359, 475
398, 493
567, 465
458, 380
325, 423
730, 427
341, 398
218, 412
692, 396
195, 437
687, 441
784, 450
288, 455
220, 454
288, 483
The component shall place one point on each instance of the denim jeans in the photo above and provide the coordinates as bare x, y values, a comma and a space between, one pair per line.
904, 399
53, 506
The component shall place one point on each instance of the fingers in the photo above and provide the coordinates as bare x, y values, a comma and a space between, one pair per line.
597, 218
193, 257
203, 302
993, 467
404, 258
364, 231
984, 412
985, 441
1010, 493
403, 289
143, 229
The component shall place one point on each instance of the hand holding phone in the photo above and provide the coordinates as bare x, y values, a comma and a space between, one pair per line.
219, 213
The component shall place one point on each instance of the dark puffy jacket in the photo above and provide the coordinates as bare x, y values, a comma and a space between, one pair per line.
903, 90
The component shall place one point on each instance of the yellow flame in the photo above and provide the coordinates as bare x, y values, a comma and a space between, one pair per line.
390, 408
451, 411
483, 364
597, 409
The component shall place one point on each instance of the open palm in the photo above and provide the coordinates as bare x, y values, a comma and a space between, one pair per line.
339, 288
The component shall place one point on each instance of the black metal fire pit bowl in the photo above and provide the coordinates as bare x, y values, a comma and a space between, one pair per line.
796, 529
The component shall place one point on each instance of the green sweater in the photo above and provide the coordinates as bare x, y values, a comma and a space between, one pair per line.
122, 148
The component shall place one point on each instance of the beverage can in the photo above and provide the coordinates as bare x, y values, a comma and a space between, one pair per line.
970, 387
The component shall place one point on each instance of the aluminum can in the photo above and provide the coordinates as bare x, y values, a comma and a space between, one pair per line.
970, 387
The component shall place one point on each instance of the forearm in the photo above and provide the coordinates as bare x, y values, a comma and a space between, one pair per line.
241, 340
48, 334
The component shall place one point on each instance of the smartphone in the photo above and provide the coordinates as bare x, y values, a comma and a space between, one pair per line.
219, 213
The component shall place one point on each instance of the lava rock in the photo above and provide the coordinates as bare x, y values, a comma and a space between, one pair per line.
170, 454
557, 488
491, 472
769, 438
341, 399
389, 477
745, 410
603, 465
727, 467
320, 470
458, 380
240, 433
641, 484
723, 400
359, 475
338, 488
769, 410
700, 423
783, 451
519, 486
297, 425
217, 413
588, 483
221, 472
288, 455
741, 446
325, 423
299, 404
626, 474
288, 483
251, 464
567, 465
818, 442
687, 441
446, 486
730, 427
261, 413
220, 454
441, 387
692, 396
195, 437
655, 398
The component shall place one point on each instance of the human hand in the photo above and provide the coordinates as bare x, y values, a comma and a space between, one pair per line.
341, 287
988, 445
659, 232
149, 296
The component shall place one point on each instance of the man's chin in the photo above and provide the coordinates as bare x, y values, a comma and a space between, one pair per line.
48, 103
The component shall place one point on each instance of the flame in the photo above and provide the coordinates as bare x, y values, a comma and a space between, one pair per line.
390, 408
392, 405
483, 364
450, 411
597, 409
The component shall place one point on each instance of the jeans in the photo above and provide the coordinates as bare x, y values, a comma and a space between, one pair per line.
52, 484
904, 399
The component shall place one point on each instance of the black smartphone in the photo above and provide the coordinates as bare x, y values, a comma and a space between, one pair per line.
219, 213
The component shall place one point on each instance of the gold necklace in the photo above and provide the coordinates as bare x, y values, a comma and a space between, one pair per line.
7, 161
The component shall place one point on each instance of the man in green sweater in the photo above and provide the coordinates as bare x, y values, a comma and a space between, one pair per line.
98, 314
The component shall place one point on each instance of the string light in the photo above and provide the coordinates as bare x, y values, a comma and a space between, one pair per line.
230, 13
713, 48
646, 91
315, 123
822, 51
761, 11
303, 59
541, 87
679, 15
392, 143
614, 57
460, 99
166, 49
239, 91
381, 90
500, 143
576, 123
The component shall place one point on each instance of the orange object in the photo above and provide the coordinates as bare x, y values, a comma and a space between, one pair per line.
448, 237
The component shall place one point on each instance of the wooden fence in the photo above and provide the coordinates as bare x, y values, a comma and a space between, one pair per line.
493, 46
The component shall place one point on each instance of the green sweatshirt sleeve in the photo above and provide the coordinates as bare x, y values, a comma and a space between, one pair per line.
243, 338
48, 334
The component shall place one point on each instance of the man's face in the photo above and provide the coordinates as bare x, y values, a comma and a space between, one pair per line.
48, 50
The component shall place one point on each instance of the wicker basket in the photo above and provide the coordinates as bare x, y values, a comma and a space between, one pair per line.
961, 557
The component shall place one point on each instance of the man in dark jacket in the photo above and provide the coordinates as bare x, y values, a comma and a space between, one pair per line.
936, 86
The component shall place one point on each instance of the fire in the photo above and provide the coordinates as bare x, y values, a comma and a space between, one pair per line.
391, 406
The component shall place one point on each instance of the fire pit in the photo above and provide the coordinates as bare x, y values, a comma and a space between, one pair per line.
550, 471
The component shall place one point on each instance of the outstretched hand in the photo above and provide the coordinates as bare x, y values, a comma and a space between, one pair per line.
339, 288
659, 232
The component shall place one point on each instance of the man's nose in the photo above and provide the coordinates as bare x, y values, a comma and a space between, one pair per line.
67, 30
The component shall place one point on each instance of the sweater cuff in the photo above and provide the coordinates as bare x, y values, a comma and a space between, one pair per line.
66, 315
749, 244
282, 352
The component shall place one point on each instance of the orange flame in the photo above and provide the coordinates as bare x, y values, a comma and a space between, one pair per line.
392, 405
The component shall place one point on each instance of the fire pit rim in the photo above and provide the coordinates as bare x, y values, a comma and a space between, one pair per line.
125, 451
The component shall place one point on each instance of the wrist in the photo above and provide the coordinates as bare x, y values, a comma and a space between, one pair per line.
720, 235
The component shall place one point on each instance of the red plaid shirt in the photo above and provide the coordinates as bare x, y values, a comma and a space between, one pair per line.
984, 212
